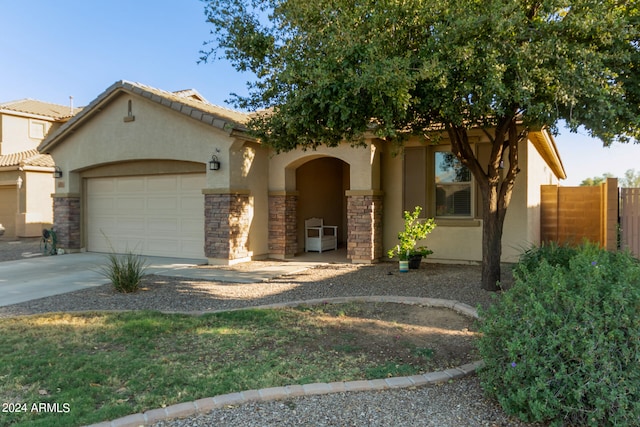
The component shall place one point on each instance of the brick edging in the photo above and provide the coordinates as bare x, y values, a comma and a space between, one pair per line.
205, 405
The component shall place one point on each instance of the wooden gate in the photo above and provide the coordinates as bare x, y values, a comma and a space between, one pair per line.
570, 215
630, 219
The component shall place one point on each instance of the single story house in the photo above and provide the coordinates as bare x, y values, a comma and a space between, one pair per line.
26, 175
169, 174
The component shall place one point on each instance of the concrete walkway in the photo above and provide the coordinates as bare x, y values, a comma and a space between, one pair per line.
38, 277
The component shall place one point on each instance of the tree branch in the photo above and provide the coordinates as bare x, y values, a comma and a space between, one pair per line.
461, 148
506, 189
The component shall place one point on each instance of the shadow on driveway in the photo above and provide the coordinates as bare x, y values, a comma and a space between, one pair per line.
37, 277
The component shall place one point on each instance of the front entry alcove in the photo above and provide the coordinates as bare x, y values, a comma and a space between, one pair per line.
321, 184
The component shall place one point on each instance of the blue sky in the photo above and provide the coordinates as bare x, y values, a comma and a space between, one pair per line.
50, 50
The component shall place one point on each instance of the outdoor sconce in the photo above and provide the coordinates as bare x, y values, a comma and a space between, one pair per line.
57, 172
214, 163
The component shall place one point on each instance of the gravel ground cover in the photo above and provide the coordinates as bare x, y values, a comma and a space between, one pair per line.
11, 250
458, 403
455, 282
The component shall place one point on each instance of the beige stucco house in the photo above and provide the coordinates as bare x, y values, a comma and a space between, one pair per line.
138, 175
26, 176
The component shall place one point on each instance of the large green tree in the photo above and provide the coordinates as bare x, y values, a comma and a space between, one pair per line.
631, 179
596, 180
330, 71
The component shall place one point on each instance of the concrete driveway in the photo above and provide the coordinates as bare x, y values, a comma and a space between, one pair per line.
32, 278
38, 277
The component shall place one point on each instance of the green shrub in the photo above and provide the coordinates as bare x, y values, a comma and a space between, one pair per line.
563, 345
125, 271
554, 254
414, 230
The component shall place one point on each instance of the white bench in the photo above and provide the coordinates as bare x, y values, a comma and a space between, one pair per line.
319, 237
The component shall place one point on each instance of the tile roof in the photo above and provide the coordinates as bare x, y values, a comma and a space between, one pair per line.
40, 108
190, 98
26, 158
187, 102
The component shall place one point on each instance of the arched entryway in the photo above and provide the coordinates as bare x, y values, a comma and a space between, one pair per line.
321, 184
339, 184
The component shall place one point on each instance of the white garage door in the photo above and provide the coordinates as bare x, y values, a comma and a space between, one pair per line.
159, 215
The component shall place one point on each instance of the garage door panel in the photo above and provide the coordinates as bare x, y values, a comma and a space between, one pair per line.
188, 247
163, 204
101, 186
151, 215
163, 184
105, 224
104, 204
191, 203
8, 210
190, 228
160, 245
100, 241
129, 204
130, 225
125, 245
130, 185
162, 226
190, 181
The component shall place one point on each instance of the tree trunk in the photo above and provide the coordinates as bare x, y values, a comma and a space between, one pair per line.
495, 190
491, 241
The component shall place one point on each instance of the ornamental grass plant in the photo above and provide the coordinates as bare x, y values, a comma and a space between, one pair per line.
125, 271
563, 344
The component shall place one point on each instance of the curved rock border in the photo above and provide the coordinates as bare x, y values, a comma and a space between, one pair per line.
203, 406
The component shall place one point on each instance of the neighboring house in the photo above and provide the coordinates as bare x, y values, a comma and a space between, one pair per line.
26, 176
138, 175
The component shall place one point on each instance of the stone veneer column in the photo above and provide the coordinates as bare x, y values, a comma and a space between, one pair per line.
66, 221
227, 219
364, 226
283, 239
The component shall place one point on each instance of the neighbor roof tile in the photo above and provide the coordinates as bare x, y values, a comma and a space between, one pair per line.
40, 108
26, 158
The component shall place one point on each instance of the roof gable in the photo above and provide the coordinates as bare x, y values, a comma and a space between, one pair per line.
186, 102
192, 94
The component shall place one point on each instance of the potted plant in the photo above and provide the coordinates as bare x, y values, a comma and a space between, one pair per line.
407, 250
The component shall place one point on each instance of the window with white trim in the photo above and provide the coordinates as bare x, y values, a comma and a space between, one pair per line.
453, 186
436, 180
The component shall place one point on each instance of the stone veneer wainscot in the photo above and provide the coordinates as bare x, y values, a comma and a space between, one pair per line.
227, 222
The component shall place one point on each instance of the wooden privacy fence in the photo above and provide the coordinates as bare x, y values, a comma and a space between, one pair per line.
630, 219
569, 215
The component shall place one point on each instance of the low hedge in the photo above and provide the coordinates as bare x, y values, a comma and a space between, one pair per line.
563, 344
